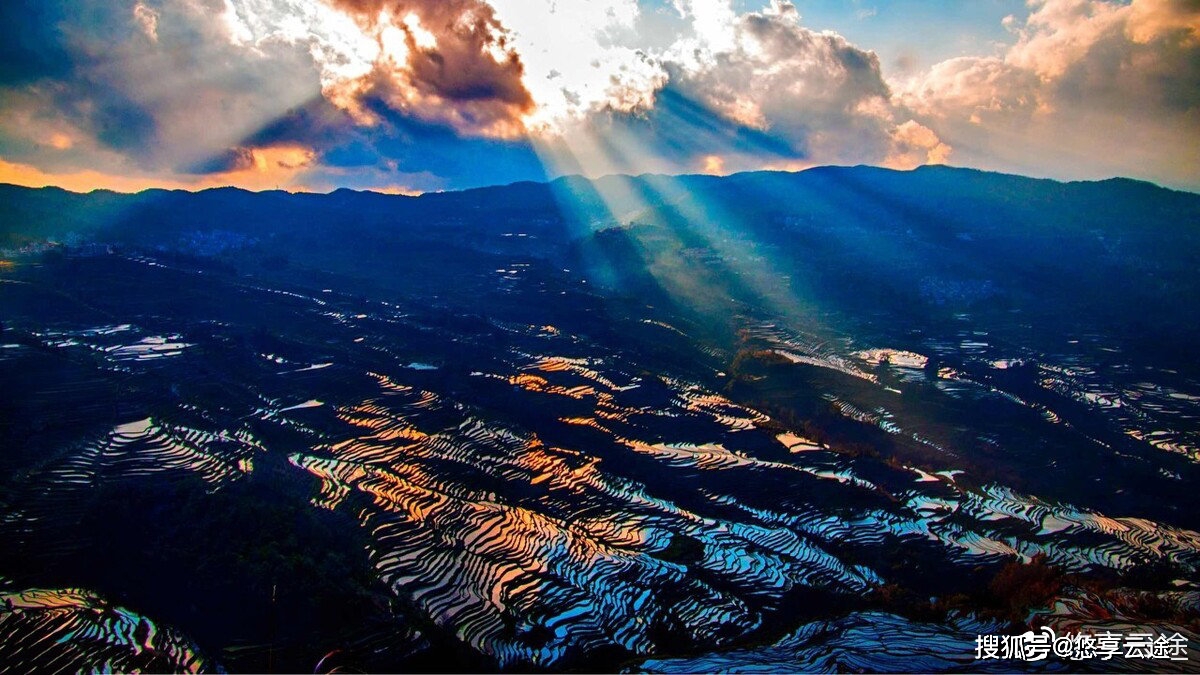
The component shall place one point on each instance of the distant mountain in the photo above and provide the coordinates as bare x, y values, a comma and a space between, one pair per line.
860, 239
967, 197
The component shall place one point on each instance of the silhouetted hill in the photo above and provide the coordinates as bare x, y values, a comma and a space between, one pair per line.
970, 196
848, 239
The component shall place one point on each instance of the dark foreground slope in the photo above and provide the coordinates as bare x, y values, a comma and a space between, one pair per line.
841, 419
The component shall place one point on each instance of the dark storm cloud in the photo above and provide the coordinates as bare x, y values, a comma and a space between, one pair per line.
117, 122
400, 145
316, 121
233, 159
31, 43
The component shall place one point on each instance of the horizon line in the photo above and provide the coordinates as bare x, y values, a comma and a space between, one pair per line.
550, 181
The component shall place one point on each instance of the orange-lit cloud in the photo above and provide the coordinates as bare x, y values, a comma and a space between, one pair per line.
914, 145
443, 61
83, 181
146, 19
60, 141
267, 168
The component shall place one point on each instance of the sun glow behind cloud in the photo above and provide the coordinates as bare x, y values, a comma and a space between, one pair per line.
574, 61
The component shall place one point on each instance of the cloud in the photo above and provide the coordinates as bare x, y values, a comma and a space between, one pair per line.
101, 89
84, 180
813, 89
581, 58
1149, 20
750, 87
425, 94
975, 88
140, 104
754, 89
233, 159
914, 145
435, 94
420, 154
447, 61
713, 24
31, 44
147, 20
254, 168
1090, 88
444, 60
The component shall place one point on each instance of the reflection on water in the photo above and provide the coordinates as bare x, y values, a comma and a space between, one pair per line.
73, 630
543, 497
528, 550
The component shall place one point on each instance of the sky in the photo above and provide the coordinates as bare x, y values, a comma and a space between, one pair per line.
409, 96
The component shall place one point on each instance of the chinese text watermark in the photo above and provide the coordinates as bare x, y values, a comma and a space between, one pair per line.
1102, 645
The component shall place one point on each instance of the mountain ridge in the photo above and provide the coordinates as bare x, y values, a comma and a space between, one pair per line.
580, 177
